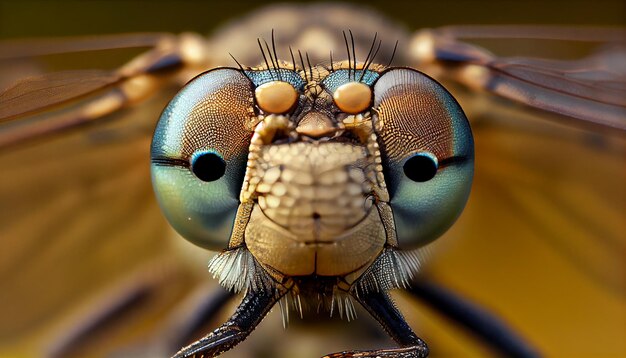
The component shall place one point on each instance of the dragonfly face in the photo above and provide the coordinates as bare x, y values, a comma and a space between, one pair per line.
310, 171
312, 181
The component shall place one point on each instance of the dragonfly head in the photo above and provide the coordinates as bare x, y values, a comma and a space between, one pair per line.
302, 165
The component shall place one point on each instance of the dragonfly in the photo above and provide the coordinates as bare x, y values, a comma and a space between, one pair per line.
583, 166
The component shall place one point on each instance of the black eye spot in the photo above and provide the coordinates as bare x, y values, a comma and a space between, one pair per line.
208, 166
421, 167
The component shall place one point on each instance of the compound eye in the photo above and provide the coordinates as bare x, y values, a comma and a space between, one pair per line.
353, 97
427, 153
199, 154
276, 97
421, 167
208, 166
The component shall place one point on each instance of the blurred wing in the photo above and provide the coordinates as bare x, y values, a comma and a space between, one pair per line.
25, 48
72, 98
45, 105
44, 91
591, 89
588, 90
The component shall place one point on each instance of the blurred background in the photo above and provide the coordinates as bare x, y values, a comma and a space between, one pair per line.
541, 244
44, 18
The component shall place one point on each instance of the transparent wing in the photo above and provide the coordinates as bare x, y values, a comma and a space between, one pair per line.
25, 48
44, 91
75, 97
590, 88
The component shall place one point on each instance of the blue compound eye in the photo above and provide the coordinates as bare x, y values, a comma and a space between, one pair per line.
199, 153
428, 154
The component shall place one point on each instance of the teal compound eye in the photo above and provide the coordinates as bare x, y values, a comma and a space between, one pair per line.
199, 152
428, 154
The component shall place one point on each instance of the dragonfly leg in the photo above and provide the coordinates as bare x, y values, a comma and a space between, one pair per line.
251, 311
382, 308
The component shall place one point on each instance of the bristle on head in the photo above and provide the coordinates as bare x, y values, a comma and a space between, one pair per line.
392, 269
238, 271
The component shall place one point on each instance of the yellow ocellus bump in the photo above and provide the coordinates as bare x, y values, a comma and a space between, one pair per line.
276, 97
353, 97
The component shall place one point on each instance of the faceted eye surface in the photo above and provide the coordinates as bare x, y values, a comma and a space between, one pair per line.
353, 97
199, 155
276, 97
428, 154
